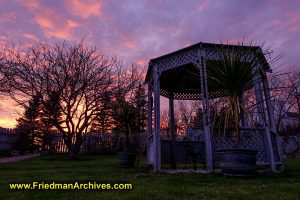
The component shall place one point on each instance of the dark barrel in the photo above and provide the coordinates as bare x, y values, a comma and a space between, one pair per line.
237, 162
126, 160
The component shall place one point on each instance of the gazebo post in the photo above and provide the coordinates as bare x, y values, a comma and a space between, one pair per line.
259, 96
156, 119
271, 118
259, 99
269, 104
206, 117
172, 130
149, 127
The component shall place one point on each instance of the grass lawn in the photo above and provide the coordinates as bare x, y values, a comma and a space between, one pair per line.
103, 169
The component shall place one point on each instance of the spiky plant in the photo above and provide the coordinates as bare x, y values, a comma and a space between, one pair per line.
232, 73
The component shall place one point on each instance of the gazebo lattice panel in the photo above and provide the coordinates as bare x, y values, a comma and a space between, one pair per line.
250, 139
254, 139
186, 57
290, 146
178, 60
182, 155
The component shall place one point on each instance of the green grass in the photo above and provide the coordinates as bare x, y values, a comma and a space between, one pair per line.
103, 169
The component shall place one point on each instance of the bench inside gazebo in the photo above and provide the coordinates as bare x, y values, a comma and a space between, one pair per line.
181, 75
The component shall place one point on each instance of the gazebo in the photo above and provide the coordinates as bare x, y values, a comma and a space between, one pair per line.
173, 76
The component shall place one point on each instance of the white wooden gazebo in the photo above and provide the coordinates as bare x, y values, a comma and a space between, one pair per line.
172, 76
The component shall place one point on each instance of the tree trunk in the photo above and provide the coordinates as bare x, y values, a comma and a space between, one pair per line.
73, 153
73, 149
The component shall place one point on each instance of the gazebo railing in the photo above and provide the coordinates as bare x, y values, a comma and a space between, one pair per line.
250, 138
182, 152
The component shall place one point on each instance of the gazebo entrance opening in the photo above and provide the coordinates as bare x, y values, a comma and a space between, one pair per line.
182, 75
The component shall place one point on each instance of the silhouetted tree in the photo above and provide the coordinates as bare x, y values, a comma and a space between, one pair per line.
103, 121
29, 124
50, 114
140, 103
76, 73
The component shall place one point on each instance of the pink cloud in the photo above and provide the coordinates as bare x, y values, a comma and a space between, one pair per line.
8, 17
85, 9
276, 22
30, 36
127, 41
294, 19
45, 22
141, 62
202, 5
187, 43
292, 29
159, 2
56, 26
63, 32
32, 4
52, 23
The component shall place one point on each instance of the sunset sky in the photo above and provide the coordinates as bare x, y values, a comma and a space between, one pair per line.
137, 30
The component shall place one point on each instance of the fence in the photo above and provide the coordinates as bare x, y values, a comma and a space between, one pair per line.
290, 146
92, 143
10, 140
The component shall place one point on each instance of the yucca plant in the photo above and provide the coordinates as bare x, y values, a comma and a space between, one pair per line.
231, 73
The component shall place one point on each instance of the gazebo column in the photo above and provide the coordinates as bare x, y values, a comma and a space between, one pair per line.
270, 111
157, 152
271, 118
261, 115
206, 115
259, 96
149, 127
172, 130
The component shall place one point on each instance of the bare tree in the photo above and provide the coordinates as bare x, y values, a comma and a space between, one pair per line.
77, 74
186, 113
284, 90
4, 86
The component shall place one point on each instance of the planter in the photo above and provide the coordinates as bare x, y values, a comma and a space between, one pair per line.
126, 160
237, 162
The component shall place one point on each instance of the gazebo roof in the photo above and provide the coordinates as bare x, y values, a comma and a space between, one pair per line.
180, 76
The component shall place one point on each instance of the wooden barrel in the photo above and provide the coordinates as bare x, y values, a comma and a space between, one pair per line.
126, 160
237, 162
